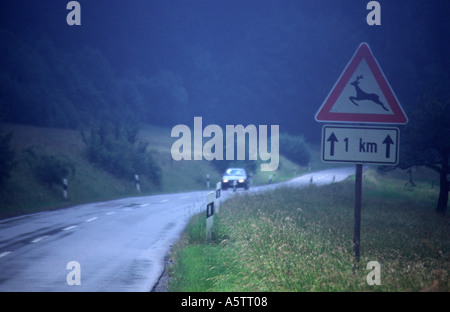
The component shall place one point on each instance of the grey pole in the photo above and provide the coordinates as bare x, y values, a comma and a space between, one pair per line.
357, 215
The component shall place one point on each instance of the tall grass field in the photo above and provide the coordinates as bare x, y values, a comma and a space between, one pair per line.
300, 240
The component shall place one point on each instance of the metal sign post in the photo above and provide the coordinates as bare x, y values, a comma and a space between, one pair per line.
357, 215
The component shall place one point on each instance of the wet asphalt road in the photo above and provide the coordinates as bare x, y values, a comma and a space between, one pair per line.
119, 245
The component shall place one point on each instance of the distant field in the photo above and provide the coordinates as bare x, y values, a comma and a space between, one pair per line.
301, 240
22, 193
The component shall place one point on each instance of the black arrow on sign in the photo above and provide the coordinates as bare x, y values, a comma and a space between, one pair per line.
388, 141
332, 138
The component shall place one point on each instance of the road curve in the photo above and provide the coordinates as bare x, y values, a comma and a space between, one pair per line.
119, 245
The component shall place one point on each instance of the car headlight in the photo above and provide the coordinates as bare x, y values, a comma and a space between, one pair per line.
241, 180
225, 180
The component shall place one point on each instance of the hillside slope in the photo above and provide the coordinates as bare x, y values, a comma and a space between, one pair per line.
23, 193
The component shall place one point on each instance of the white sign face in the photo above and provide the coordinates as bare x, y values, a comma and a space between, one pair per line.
371, 145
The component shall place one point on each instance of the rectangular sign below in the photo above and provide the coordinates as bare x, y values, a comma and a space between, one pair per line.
368, 145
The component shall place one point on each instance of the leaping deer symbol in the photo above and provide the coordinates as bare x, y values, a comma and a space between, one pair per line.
361, 95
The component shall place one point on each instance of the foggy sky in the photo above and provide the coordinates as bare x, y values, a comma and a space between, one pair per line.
261, 62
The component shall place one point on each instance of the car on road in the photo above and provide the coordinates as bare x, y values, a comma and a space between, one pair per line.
235, 178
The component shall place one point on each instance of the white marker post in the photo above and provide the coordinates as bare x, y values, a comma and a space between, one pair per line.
65, 188
209, 214
218, 193
138, 184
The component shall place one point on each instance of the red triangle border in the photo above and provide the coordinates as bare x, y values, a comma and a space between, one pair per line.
363, 52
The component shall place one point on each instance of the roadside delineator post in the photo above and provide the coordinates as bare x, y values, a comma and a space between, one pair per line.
218, 193
209, 214
65, 188
138, 184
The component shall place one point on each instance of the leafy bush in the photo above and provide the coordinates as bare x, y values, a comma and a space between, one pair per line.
6, 157
116, 149
295, 149
49, 169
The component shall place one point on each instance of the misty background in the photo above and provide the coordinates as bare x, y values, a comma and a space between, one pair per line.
231, 62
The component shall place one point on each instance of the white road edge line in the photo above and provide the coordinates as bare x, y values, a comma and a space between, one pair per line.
69, 227
110, 213
163, 201
91, 219
5, 253
34, 241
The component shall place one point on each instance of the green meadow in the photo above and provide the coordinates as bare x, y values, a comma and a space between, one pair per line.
295, 240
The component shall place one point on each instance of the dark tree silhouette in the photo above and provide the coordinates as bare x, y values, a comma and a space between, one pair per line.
425, 140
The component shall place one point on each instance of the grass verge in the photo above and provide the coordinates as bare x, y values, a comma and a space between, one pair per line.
301, 240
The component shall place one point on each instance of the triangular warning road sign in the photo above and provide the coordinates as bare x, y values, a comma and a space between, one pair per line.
362, 94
